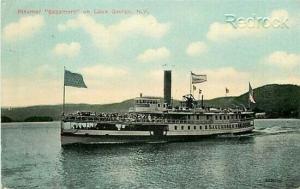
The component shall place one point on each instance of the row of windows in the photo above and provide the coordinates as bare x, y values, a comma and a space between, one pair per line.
146, 101
211, 127
218, 117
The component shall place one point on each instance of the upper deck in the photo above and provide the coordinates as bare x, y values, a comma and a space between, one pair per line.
184, 117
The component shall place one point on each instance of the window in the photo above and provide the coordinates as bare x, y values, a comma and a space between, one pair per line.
189, 127
207, 117
210, 127
158, 105
175, 127
216, 117
194, 127
198, 117
228, 117
220, 117
189, 117
205, 126
200, 127
182, 127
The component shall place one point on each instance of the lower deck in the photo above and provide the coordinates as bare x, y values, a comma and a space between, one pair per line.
89, 133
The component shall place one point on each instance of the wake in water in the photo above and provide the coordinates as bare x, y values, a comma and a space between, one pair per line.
276, 130
272, 127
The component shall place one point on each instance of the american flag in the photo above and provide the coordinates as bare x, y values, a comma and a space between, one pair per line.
74, 80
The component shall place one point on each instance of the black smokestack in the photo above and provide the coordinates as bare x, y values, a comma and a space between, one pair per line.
167, 86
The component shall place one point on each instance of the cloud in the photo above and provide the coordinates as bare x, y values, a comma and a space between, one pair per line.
196, 48
151, 55
222, 32
283, 59
104, 71
108, 37
69, 50
253, 28
24, 28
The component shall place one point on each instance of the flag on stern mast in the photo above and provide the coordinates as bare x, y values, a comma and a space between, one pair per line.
251, 97
73, 80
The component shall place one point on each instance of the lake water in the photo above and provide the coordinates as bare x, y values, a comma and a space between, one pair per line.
32, 157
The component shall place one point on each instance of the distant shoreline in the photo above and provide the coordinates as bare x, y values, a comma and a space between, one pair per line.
276, 101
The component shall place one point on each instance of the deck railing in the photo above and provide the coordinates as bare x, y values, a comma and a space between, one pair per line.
147, 121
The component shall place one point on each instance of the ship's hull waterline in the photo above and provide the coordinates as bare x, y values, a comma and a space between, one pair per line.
119, 137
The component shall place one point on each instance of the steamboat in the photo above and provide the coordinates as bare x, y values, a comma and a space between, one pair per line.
154, 119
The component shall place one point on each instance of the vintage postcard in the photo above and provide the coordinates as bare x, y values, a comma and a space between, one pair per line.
150, 94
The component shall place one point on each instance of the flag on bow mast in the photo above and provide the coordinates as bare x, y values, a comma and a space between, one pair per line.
73, 80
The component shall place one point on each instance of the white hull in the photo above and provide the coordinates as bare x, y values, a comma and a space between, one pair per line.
72, 136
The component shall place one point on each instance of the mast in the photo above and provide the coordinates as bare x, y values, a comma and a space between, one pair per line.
63, 104
191, 83
64, 94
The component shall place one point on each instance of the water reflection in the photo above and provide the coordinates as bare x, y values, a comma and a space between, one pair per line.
148, 165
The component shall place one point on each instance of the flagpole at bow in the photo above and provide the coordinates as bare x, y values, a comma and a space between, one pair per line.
64, 94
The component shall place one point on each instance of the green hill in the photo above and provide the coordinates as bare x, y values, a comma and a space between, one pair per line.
275, 100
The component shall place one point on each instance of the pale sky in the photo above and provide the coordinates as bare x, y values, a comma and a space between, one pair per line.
123, 54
